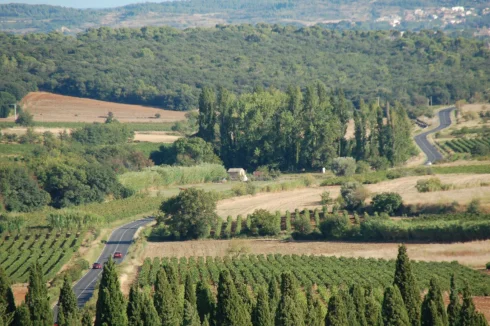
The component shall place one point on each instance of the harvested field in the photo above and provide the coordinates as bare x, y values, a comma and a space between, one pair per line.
468, 184
155, 137
58, 108
473, 254
477, 107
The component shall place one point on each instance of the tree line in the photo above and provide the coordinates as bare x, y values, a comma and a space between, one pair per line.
173, 301
298, 129
166, 67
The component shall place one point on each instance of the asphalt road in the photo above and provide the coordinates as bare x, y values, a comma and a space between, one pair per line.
119, 240
430, 150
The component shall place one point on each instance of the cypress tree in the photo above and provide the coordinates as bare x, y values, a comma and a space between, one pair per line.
480, 320
87, 318
314, 317
173, 279
238, 227
110, 306
394, 311
288, 221
206, 321
149, 315
205, 301
7, 302
405, 281
261, 315
454, 307
135, 306
359, 301
468, 314
23, 316
350, 308
165, 301
244, 295
37, 299
336, 312
288, 313
189, 291
274, 295
373, 310
230, 310
191, 317
433, 309
68, 314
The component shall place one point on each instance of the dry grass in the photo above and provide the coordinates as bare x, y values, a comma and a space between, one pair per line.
58, 108
155, 137
467, 187
473, 254
477, 107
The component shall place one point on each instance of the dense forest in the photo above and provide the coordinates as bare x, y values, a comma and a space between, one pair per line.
354, 14
167, 67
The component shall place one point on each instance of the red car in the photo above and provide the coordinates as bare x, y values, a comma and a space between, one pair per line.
117, 254
97, 266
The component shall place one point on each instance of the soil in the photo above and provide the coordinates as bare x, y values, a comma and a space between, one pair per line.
58, 108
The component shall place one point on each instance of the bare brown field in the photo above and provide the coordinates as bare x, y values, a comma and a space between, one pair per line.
467, 188
155, 137
477, 107
58, 108
473, 254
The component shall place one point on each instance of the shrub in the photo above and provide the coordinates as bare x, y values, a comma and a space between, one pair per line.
343, 166
25, 119
353, 195
480, 149
326, 199
487, 265
430, 185
387, 202
335, 227
264, 223
362, 167
302, 225
379, 163
308, 180
474, 207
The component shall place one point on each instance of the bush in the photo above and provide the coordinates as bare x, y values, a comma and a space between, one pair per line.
362, 167
430, 185
487, 265
103, 134
264, 223
244, 188
343, 166
380, 163
474, 207
326, 199
335, 227
480, 149
387, 202
302, 224
353, 195
25, 119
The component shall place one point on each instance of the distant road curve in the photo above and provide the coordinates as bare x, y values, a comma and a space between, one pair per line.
119, 240
421, 140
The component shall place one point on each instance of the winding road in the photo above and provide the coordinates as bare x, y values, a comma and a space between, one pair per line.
119, 240
423, 143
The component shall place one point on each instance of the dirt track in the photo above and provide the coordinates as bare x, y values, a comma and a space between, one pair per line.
58, 108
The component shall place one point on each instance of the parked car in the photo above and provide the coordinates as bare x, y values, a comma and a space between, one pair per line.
97, 266
117, 254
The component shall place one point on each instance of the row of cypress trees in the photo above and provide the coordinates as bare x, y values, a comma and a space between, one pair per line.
278, 304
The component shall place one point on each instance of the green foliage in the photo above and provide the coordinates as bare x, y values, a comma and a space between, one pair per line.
387, 202
474, 207
7, 302
289, 312
336, 312
206, 302
37, 299
302, 224
165, 300
263, 223
25, 119
191, 317
261, 315
238, 227
103, 134
6, 101
230, 309
72, 220
188, 214
394, 311
343, 166
335, 227
433, 310
430, 185
354, 195
373, 310
111, 306
186, 152
406, 283
189, 291
454, 307
22, 316
68, 313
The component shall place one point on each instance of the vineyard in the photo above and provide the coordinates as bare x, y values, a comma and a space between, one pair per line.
324, 272
51, 249
463, 145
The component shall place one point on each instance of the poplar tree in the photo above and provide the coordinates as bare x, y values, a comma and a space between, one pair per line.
454, 307
230, 310
189, 291
37, 299
22, 316
205, 301
7, 302
165, 301
373, 310
261, 315
68, 314
433, 308
336, 312
191, 317
405, 281
111, 306
207, 114
394, 311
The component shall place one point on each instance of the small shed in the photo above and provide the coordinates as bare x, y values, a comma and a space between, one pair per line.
237, 174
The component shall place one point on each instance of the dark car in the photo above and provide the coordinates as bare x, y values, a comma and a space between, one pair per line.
97, 266
117, 254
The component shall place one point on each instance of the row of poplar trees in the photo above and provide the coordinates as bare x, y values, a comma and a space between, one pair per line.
279, 304
300, 129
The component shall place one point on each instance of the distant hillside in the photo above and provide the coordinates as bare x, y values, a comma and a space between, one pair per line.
343, 14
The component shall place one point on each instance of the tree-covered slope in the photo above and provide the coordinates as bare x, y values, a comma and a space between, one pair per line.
166, 67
